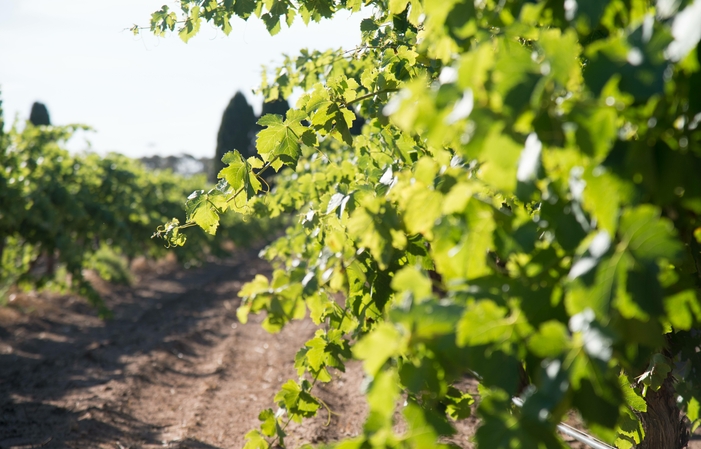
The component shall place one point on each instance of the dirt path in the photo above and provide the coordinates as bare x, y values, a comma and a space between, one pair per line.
173, 368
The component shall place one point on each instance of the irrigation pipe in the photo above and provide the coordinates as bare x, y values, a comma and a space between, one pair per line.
574, 433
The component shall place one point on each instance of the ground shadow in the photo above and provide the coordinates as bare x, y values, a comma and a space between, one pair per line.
50, 357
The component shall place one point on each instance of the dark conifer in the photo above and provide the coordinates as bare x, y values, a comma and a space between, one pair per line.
2, 119
279, 107
39, 114
236, 132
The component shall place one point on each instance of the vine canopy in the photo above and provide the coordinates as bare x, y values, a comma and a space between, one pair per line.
522, 205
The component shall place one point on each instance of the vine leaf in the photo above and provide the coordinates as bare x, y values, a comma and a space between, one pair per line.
192, 25
239, 174
297, 400
374, 349
201, 210
254, 440
656, 373
269, 423
648, 236
484, 322
280, 139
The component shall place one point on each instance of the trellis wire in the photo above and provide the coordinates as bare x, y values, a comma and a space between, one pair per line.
574, 433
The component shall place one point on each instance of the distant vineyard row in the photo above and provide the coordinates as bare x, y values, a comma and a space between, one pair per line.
58, 210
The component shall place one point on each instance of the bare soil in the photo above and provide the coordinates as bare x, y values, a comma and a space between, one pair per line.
173, 368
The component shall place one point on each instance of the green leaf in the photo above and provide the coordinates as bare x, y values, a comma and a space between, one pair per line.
425, 426
244, 8
201, 211
368, 25
378, 346
269, 425
382, 400
631, 281
332, 118
272, 22
473, 71
422, 207
459, 404
633, 399
693, 412
602, 198
319, 307
629, 430
254, 440
460, 247
413, 281
523, 166
656, 372
376, 228
192, 25
562, 52
298, 402
171, 233
278, 140
648, 236
239, 174
596, 129
317, 353
484, 322
645, 289
551, 340
516, 74
641, 75
259, 286
397, 6
428, 320
683, 309
500, 156
458, 197
596, 395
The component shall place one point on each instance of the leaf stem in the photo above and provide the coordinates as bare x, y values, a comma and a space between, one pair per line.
370, 95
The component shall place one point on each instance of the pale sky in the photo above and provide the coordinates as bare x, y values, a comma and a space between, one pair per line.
142, 95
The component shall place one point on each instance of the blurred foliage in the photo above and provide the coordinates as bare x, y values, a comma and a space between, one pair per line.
110, 266
523, 205
182, 164
60, 212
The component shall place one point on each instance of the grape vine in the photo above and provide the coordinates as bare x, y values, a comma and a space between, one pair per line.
57, 210
522, 206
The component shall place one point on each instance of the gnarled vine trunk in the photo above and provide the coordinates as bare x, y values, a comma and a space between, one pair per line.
665, 426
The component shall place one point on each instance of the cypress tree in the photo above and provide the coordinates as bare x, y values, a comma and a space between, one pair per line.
235, 132
279, 107
2, 119
39, 114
